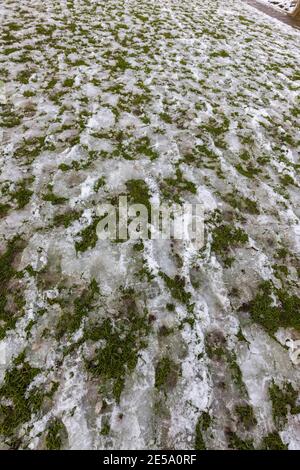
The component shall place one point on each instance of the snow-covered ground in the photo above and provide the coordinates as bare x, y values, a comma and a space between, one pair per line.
148, 345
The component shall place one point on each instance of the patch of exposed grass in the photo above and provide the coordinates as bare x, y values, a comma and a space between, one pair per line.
222, 54
67, 218
143, 147
68, 82
4, 209
7, 273
24, 76
226, 236
246, 416
287, 180
283, 401
166, 118
176, 287
55, 433
53, 198
166, 373
64, 167
70, 321
264, 312
216, 349
123, 340
172, 188
215, 345
202, 425
9, 118
236, 373
121, 64
105, 430
30, 149
273, 442
88, 236
237, 201
138, 192
235, 442
249, 171
99, 183
22, 403
22, 194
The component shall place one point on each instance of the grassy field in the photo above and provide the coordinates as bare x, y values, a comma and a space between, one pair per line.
145, 344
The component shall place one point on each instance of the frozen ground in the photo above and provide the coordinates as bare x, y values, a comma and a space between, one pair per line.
149, 345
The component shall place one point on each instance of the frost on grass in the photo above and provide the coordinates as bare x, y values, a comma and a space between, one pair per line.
141, 344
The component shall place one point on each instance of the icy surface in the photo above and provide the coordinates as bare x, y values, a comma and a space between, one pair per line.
198, 101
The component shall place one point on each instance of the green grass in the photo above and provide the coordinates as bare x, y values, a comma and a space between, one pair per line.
120, 65
245, 415
143, 147
30, 149
4, 209
203, 424
225, 237
28, 93
215, 346
8, 316
222, 54
69, 82
88, 236
283, 401
53, 198
172, 188
273, 442
22, 194
70, 321
237, 201
67, 218
166, 118
123, 338
249, 171
236, 443
55, 433
24, 76
166, 372
287, 180
22, 403
263, 311
99, 183
64, 167
138, 192
216, 349
236, 373
176, 287
105, 430
9, 118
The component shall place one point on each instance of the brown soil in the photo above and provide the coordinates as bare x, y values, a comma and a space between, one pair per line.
293, 21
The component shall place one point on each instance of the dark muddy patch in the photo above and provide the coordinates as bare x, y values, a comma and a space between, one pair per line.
273, 13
